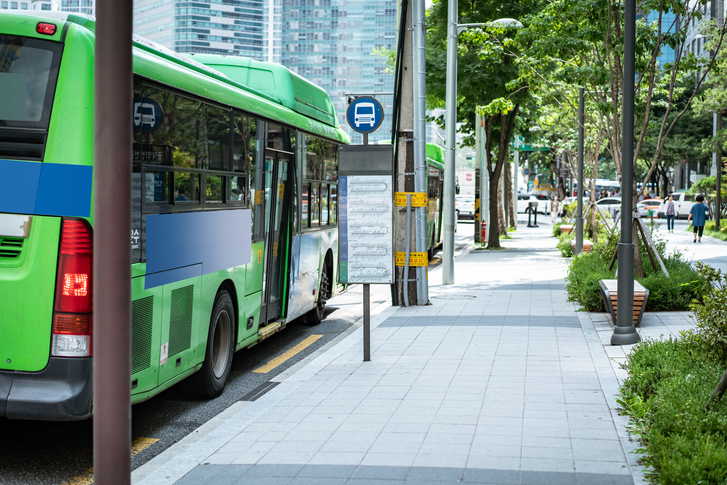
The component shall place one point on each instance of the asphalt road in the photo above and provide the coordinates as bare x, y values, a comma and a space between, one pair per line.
33, 452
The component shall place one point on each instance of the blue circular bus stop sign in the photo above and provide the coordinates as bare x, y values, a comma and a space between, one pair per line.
365, 115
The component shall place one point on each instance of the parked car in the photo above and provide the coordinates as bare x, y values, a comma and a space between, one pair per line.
648, 205
464, 206
682, 204
610, 205
524, 199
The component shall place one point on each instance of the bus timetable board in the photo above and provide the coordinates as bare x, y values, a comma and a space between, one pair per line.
366, 218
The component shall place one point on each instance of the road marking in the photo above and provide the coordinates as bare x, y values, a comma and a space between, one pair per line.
137, 446
287, 355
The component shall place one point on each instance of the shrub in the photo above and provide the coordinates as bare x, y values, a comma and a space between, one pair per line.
711, 309
564, 244
669, 382
674, 292
556, 229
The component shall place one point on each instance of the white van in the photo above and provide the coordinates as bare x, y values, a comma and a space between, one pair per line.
682, 204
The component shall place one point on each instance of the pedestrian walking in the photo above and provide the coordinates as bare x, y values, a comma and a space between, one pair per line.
699, 211
554, 205
671, 213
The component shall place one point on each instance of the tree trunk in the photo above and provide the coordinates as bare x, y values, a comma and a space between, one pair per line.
501, 223
638, 262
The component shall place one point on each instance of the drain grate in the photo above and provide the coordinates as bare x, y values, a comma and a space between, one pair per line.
259, 391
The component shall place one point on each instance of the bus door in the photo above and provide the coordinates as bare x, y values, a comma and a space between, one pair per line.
277, 221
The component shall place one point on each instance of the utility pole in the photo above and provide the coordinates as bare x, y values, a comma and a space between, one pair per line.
625, 333
406, 274
112, 255
515, 168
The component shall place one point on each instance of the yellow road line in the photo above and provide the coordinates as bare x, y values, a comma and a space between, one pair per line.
287, 355
137, 446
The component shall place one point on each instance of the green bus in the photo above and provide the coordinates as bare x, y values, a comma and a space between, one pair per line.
234, 204
435, 189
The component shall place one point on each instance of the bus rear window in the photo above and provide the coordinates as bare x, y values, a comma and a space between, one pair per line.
28, 71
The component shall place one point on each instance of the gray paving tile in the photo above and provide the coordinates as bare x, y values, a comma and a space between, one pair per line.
326, 471
435, 474
474, 475
604, 479
273, 470
381, 472
547, 478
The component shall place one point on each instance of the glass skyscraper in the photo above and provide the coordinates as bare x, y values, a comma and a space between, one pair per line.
331, 43
213, 27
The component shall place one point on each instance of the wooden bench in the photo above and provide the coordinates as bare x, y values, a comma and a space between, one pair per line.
586, 245
566, 228
609, 291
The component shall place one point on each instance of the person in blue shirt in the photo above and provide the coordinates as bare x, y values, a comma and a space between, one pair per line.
699, 211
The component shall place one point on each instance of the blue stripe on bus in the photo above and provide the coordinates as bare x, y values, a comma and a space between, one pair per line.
65, 190
215, 239
48, 189
19, 186
172, 276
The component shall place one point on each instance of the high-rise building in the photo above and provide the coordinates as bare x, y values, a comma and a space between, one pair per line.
331, 43
229, 27
87, 7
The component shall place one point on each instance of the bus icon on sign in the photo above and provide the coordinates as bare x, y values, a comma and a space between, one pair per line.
364, 114
146, 114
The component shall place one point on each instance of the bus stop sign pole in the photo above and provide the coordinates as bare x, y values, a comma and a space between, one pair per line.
112, 251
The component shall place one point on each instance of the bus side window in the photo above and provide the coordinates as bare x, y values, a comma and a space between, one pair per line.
315, 209
333, 218
218, 137
305, 206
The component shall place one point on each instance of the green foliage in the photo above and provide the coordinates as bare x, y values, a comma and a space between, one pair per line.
556, 229
563, 245
711, 309
669, 382
671, 293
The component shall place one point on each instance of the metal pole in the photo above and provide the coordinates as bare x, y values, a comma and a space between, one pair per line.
515, 168
716, 15
625, 333
420, 140
484, 179
718, 180
581, 134
112, 257
451, 122
480, 167
367, 323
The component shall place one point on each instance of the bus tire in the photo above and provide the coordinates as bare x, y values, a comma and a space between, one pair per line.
212, 377
315, 316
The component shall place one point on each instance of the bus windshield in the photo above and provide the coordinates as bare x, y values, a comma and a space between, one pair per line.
28, 69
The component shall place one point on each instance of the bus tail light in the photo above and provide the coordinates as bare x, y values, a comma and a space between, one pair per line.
73, 311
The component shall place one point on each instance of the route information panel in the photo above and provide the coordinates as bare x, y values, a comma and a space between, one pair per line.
366, 217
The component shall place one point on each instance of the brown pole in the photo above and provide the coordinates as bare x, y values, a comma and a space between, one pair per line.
112, 252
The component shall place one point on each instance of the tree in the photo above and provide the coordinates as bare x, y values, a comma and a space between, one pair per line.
489, 81
581, 41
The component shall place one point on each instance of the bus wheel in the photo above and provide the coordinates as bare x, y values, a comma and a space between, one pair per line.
315, 316
211, 379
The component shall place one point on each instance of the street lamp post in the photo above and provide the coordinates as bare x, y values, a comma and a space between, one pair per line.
581, 134
453, 30
625, 333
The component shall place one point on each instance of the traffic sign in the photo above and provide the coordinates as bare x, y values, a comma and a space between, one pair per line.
526, 172
365, 115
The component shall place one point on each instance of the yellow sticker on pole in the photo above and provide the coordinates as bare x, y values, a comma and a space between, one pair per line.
415, 259
418, 199
258, 198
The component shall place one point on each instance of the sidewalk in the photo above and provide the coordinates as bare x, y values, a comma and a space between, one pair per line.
500, 380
